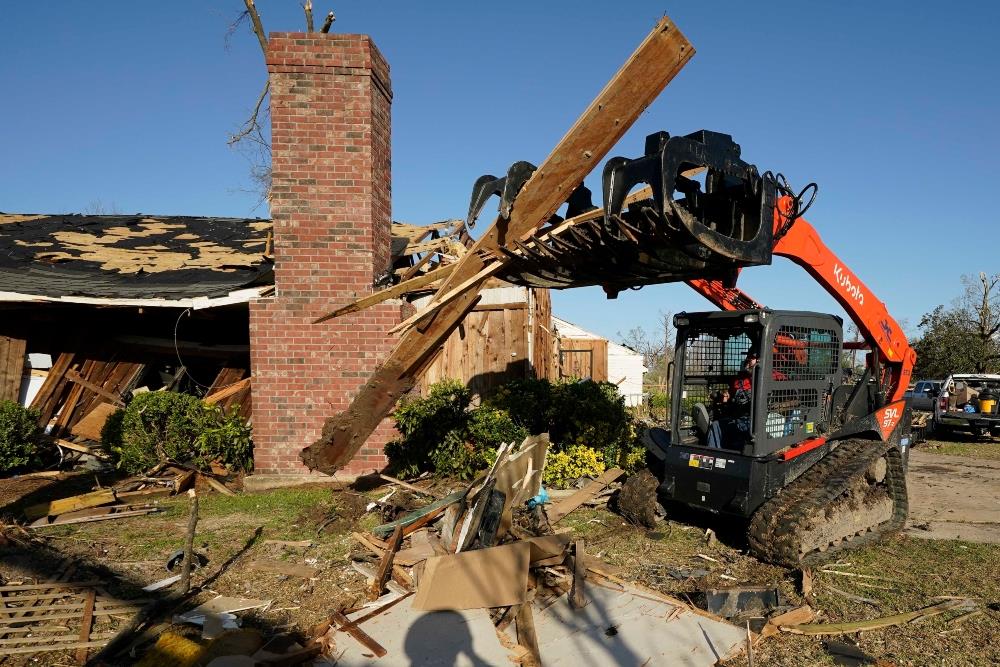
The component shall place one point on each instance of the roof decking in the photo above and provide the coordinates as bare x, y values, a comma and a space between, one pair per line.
131, 256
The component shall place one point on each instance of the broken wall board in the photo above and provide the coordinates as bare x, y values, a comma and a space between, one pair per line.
661, 55
11, 367
647, 632
93, 422
493, 577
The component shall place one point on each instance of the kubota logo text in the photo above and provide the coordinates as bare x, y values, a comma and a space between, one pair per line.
844, 280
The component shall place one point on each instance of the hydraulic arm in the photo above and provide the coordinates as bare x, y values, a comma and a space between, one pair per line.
799, 241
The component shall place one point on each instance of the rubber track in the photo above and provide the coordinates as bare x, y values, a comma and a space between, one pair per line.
776, 528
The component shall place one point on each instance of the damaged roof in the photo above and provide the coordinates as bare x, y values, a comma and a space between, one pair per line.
132, 256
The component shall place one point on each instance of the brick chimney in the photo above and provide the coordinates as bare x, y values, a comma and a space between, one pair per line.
331, 206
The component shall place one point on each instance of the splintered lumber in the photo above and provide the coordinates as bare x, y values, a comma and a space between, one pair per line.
71, 504
110, 514
359, 635
217, 485
577, 597
399, 289
419, 518
561, 509
83, 449
384, 570
797, 616
226, 392
524, 622
76, 378
875, 623
85, 625
650, 68
407, 485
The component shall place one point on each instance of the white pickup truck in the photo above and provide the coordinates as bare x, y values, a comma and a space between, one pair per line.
968, 402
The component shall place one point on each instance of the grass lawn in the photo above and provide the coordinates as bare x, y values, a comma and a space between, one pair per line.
909, 573
970, 448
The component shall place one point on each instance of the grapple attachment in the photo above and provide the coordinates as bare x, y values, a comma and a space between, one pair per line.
732, 217
686, 226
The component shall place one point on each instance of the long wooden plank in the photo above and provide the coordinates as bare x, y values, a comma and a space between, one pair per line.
226, 392
650, 68
86, 384
386, 294
54, 383
85, 626
561, 509
51, 647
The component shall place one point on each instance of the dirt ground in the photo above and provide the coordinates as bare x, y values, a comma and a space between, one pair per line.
676, 557
953, 497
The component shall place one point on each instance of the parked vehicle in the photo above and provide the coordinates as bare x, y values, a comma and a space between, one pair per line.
968, 402
923, 394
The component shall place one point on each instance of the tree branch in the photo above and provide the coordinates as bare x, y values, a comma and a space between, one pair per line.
330, 18
257, 27
251, 124
308, 7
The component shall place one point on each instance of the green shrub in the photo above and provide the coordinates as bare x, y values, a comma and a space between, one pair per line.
562, 468
18, 432
227, 438
572, 412
440, 434
431, 428
528, 402
162, 425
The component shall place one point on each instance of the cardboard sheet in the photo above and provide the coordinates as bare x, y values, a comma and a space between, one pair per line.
520, 476
494, 577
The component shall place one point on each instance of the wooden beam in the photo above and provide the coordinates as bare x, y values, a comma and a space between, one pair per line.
85, 625
439, 301
384, 570
359, 635
226, 392
76, 378
650, 68
558, 511
386, 294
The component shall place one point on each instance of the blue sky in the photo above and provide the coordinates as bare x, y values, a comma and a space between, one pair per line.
891, 107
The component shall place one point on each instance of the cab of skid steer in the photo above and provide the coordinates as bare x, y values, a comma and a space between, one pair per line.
721, 455
776, 402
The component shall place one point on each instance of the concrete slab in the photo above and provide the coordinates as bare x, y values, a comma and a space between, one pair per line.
953, 497
631, 628
429, 639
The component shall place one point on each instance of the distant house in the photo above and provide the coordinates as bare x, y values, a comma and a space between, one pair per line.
585, 354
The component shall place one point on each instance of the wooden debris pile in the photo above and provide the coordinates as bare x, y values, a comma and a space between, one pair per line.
477, 568
134, 496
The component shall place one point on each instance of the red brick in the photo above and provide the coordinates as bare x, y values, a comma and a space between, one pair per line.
331, 202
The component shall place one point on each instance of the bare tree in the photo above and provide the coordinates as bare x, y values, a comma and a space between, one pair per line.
252, 139
98, 207
980, 303
656, 348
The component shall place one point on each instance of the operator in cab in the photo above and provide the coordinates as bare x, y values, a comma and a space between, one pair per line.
730, 427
